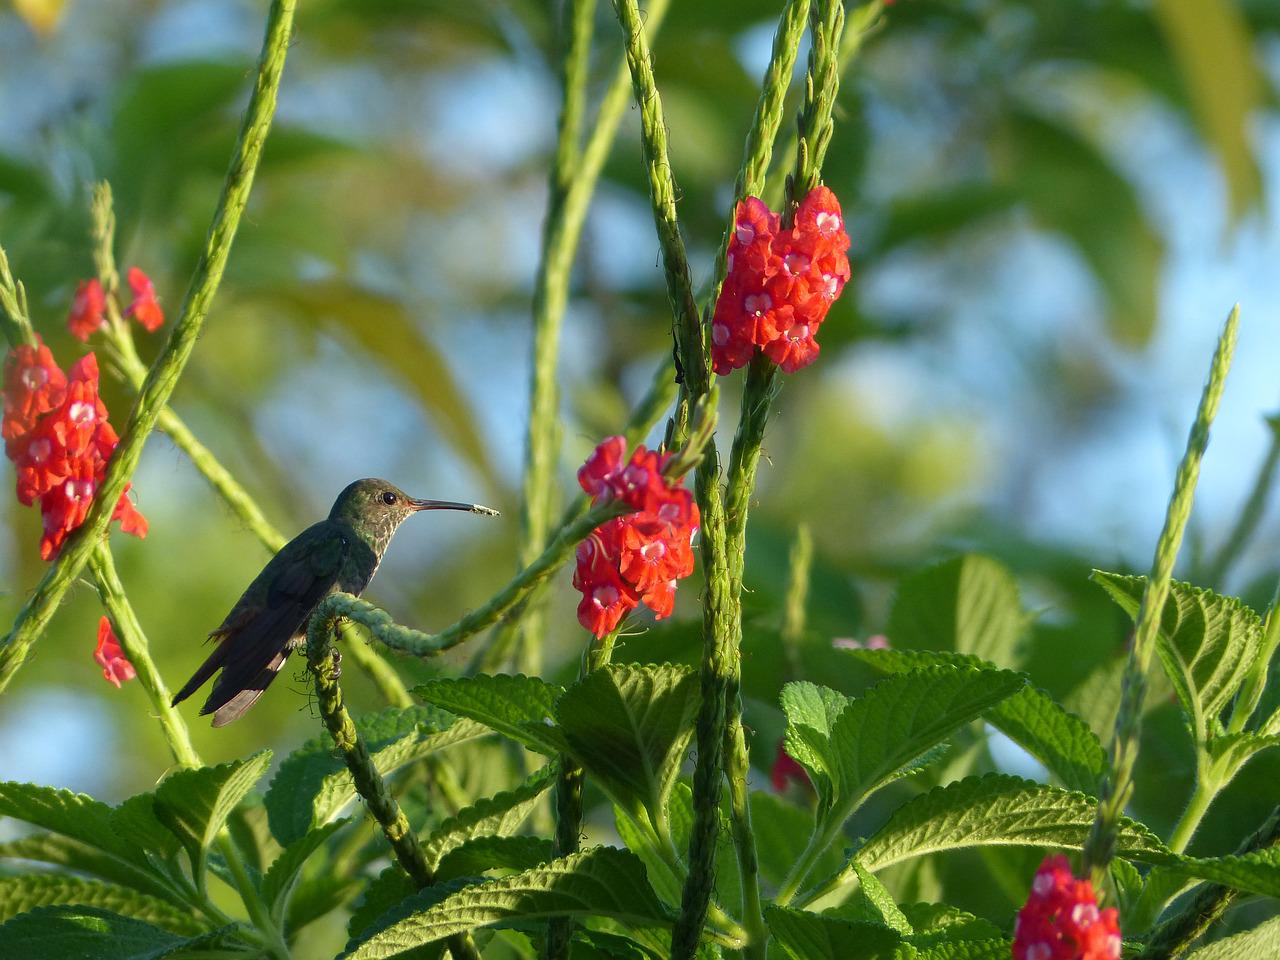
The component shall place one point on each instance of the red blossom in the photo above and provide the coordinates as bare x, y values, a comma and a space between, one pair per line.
33, 384
1061, 919
115, 665
780, 283
87, 309
786, 770
639, 557
145, 308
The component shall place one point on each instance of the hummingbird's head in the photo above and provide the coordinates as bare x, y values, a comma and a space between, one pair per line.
379, 507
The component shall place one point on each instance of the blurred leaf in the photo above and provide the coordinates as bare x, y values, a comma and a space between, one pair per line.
968, 604
282, 876
519, 707
781, 828
500, 815
63, 932
313, 783
73, 815
1212, 45
810, 936
195, 804
603, 881
55, 849
995, 809
1073, 190
629, 725
938, 215
1260, 943
381, 894
937, 922
1208, 644
481, 854
22, 893
383, 328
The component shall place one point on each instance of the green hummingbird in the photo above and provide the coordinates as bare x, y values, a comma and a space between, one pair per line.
340, 554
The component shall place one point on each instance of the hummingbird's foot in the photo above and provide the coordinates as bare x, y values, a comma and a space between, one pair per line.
336, 673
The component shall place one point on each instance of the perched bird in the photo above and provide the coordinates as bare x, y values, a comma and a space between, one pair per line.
340, 554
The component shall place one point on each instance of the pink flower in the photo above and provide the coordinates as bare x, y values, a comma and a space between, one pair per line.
115, 665
87, 309
145, 308
1061, 919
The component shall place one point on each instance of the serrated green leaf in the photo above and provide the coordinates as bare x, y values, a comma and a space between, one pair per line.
382, 893
904, 716
53, 848
590, 944
968, 604
1260, 943
282, 875
65, 932
1257, 872
136, 823
880, 902
195, 803
499, 815
519, 707
1059, 739
996, 809
1231, 751
1208, 643
73, 815
313, 784
22, 893
495, 853
965, 950
603, 881
811, 712
938, 922
629, 726
811, 936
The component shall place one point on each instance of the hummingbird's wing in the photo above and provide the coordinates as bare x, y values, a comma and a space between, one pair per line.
257, 635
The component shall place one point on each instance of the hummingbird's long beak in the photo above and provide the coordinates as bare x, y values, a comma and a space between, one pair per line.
452, 505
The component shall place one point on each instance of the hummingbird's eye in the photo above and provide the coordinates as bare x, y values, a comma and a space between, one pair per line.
389, 498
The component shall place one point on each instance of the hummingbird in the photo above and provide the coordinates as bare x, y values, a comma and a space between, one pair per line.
340, 554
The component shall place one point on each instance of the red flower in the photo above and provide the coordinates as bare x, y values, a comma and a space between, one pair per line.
1061, 919
786, 770
87, 310
780, 283
33, 384
145, 307
115, 665
639, 557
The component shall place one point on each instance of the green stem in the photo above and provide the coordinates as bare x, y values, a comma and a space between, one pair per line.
133, 642
1255, 506
1197, 806
794, 613
14, 318
569, 785
369, 784
163, 376
1118, 786
1175, 935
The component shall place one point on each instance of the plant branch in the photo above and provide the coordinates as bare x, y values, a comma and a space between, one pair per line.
1255, 506
1117, 787
163, 376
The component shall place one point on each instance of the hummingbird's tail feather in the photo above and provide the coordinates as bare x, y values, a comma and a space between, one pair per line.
228, 703
203, 673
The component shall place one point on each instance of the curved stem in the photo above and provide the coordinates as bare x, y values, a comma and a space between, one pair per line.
1197, 806
1246, 525
163, 376
368, 783
1116, 788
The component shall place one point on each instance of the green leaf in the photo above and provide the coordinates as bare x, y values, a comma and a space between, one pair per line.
499, 815
629, 725
781, 827
937, 922
1257, 872
880, 902
1260, 943
282, 875
965, 950
812, 712
63, 851
481, 854
996, 809
66, 932
1208, 643
194, 804
519, 707
1059, 739
600, 882
811, 936
73, 815
906, 715
1232, 751
968, 604
382, 893
313, 784
22, 893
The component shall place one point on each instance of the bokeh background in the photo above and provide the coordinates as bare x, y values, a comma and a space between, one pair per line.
1053, 204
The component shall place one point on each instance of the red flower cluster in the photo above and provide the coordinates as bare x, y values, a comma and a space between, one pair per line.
56, 432
639, 557
1061, 919
115, 665
780, 283
88, 310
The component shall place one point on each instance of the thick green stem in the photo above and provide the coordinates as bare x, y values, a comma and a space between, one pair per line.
133, 643
1175, 935
164, 374
1197, 806
368, 783
1118, 786
569, 786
